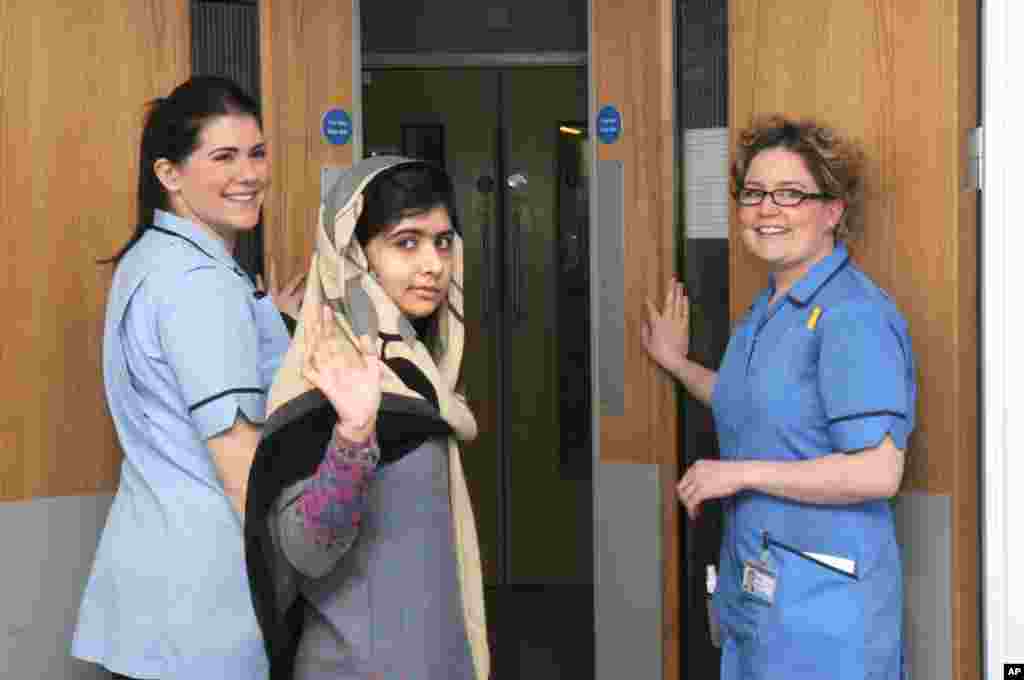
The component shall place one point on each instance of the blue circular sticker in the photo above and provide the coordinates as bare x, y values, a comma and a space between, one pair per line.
336, 126
609, 124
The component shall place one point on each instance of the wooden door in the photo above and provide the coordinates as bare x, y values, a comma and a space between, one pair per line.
632, 64
902, 77
308, 66
74, 81
73, 88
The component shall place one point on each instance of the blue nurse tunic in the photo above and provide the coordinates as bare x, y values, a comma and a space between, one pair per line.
826, 368
188, 346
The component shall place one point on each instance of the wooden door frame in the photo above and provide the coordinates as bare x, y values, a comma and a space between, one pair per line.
632, 59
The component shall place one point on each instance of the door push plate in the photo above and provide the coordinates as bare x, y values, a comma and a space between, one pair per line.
974, 161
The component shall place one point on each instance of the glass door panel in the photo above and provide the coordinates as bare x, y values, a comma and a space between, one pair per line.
521, 190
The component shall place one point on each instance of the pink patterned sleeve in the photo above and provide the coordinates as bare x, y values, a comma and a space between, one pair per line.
334, 498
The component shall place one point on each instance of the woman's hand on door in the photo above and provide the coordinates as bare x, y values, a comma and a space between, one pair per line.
666, 334
287, 298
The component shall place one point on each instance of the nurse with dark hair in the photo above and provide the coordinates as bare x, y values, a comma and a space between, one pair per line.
190, 347
814, 404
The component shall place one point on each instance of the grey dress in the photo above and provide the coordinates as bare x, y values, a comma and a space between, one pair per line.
389, 606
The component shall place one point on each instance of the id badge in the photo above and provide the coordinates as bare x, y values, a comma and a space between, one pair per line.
759, 581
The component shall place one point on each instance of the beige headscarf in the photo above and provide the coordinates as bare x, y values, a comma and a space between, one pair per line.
339, 277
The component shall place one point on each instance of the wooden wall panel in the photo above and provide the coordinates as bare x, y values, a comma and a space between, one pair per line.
73, 81
632, 59
900, 75
306, 64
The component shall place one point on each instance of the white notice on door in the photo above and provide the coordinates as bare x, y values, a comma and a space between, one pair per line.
706, 182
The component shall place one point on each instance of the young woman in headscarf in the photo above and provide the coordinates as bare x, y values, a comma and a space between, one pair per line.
361, 545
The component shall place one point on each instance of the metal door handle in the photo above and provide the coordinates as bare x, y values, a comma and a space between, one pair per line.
517, 183
485, 217
517, 229
485, 244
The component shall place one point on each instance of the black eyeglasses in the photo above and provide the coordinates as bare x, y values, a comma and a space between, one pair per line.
786, 198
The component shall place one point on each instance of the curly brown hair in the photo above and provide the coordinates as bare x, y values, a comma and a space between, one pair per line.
835, 162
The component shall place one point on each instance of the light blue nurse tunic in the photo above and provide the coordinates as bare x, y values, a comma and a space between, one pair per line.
827, 368
188, 346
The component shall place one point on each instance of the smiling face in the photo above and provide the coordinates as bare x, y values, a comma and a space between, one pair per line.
413, 261
220, 186
791, 240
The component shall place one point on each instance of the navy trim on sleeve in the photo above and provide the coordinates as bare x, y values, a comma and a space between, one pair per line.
870, 414
290, 324
238, 390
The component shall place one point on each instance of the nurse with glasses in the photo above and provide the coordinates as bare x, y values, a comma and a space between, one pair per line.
813, 404
784, 198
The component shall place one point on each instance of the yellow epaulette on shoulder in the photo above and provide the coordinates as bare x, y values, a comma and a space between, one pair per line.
812, 320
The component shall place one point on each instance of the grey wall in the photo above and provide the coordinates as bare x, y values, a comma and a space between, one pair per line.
49, 544
628, 580
923, 526
473, 26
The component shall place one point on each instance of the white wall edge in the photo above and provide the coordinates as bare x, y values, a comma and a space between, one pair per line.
1001, 282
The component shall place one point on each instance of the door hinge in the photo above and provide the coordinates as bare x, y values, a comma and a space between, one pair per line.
975, 161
